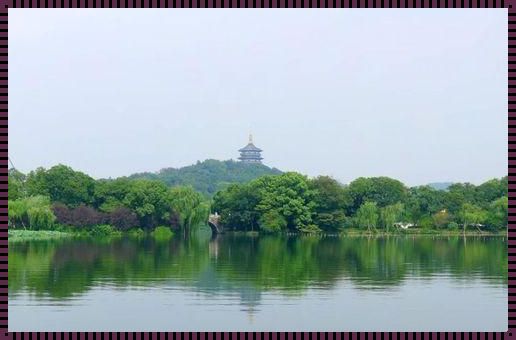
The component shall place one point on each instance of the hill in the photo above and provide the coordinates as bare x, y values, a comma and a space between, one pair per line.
211, 175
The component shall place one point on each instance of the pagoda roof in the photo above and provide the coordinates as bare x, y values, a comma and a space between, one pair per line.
250, 147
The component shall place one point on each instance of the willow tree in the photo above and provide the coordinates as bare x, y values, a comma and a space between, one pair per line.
367, 215
190, 207
34, 212
16, 210
391, 214
471, 214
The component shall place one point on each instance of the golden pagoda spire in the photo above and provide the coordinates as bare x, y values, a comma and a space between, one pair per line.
250, 138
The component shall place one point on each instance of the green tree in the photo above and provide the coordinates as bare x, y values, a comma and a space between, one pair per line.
15, 184
471, 214
190, 207
491, 190
458, 194
330, 201
290, 195
150, 201
273, 222
110, 194
34, 212
423, 201
237, 207
36, 182
391, 214
367, 215
16, 212
381, 190
62, 184
497, 213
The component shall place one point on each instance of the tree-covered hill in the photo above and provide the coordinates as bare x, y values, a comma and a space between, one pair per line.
211, 175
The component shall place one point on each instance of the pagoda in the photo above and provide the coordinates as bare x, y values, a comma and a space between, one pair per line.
250, 153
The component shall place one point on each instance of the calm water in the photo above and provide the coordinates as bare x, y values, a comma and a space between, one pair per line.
260, 283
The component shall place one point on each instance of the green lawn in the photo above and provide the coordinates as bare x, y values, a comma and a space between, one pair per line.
26, 235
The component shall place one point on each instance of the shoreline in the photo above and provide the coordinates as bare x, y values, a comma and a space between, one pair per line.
379, 233
37, 235
427, 233
20, 235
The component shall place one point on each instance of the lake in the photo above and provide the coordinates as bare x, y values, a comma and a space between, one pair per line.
267, 283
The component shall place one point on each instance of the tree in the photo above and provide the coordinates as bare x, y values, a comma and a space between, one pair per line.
367, 215
273, 222
85, 216
441, 218
497, 213
16, 212
109, 194
36, 183
330, 221
34, 212
190, 207
471, 214
391, 214
491, 190
330, 201
62, 213
288, 194
458, 194
237, 207
15, 184
150, 200
381, 190
423, 201
62, 184
39, 213
122, 218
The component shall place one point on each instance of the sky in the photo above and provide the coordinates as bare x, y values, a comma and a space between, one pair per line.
417, 95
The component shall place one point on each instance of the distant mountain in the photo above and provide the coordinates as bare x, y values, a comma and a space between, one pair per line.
211, 175
440, 185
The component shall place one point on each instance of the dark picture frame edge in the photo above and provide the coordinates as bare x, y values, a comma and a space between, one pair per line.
510, 5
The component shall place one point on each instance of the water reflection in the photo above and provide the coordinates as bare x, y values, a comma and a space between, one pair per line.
246, 267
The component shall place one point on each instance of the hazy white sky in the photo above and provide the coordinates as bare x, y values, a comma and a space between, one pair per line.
418, 95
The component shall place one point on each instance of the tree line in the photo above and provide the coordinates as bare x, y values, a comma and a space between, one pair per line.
293, 202
61, 196
287, 202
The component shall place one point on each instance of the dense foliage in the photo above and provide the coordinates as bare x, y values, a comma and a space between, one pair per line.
287, 202
61, 184
210, 176
33, 212
292, 202
61, 196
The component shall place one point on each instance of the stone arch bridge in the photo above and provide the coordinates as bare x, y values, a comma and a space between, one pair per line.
214, 223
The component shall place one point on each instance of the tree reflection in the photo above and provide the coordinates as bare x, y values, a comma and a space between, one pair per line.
247, 267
